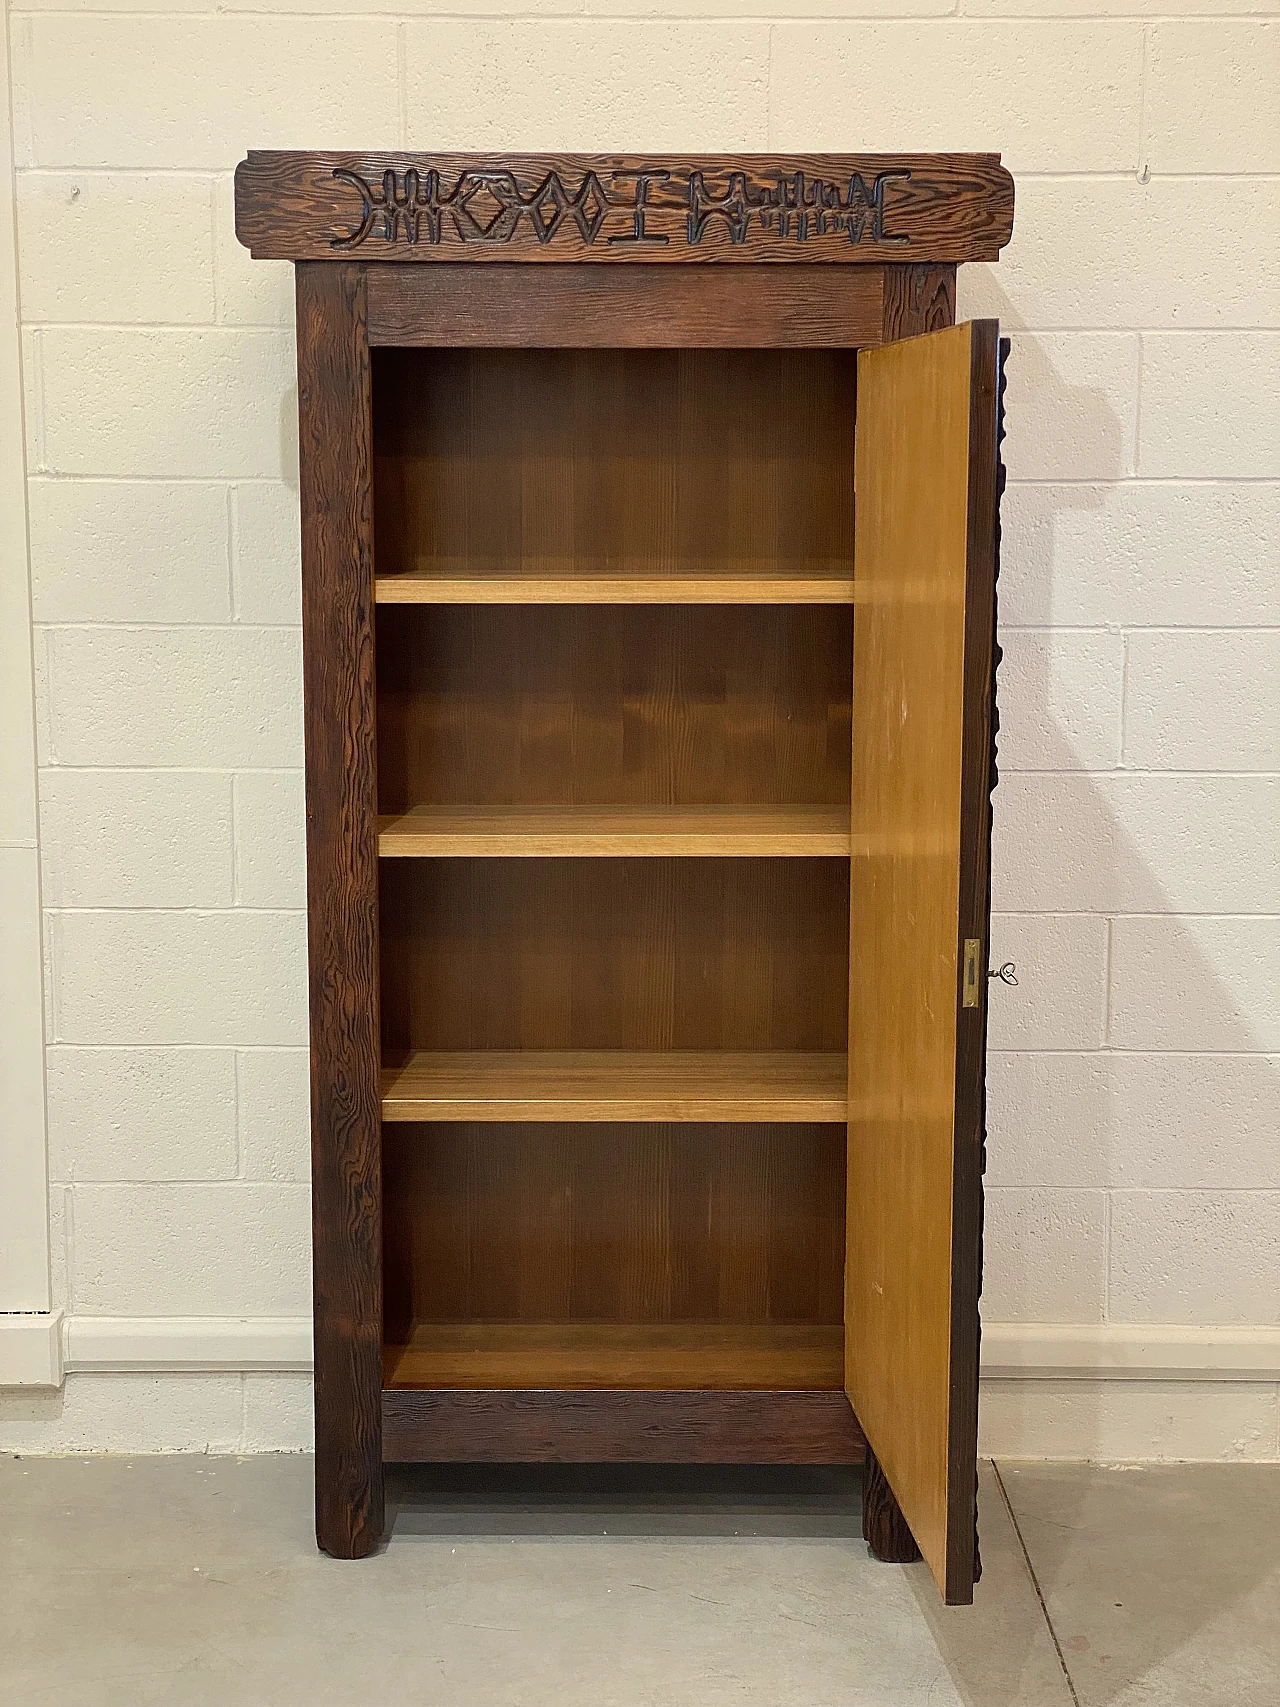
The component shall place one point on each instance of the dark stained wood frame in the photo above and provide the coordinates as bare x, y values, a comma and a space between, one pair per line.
335, 434
637, 307
887, 232
619, 1426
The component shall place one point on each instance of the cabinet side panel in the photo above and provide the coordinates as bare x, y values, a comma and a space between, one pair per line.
336, 464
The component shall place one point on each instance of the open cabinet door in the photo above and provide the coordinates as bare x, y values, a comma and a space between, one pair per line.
924, 636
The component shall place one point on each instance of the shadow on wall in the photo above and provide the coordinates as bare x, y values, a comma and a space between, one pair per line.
1061, 849
289, 439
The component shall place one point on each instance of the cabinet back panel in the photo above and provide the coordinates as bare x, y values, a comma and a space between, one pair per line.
614, 954
614, 1223
638, 705
617, 461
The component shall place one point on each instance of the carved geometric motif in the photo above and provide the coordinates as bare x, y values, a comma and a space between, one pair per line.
649, 206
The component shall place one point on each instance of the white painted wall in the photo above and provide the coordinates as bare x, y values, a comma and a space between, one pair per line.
1135, 1077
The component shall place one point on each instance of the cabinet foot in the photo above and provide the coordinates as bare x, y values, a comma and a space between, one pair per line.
349, 1495
345, 1532
884, 1529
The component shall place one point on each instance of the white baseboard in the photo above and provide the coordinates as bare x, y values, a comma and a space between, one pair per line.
1125, 1352
31, 1349
140, 1344
36, 1349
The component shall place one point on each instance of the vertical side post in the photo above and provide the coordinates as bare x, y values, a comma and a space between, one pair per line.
918, 297
335, 432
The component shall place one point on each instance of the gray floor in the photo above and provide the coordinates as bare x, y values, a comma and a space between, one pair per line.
190, 1581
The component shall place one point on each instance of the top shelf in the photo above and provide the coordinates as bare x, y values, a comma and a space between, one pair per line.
543, 582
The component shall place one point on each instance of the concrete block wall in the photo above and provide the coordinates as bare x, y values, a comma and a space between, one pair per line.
1135, 1074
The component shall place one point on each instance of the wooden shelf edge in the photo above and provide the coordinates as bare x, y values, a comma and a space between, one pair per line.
609, 1086
402, 844
615, 832
757, 1111
411, 589
581, 833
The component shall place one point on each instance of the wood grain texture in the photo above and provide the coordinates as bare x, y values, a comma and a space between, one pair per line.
335, 475
611, 832
624, 706
918, 298
611, 1427
911, 1346
647, 1356
658, 467
643, 307
647, 209
884, 1529
616, 1085
627, 1224
641, 954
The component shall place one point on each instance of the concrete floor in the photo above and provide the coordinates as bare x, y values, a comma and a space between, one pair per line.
194, 1582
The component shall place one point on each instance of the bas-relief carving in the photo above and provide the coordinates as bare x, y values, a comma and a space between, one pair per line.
650, 206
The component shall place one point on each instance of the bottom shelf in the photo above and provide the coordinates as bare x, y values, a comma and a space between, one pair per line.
705, 1356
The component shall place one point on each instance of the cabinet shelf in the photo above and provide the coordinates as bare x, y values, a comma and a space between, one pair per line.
724, 1356
504, 832
552, 582
617, 1085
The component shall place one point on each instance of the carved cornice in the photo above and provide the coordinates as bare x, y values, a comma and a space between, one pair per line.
540, 207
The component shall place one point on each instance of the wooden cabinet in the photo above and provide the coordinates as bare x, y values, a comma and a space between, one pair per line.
649, 546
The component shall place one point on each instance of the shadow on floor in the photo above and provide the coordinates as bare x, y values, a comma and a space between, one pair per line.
999, 1653
664, 1501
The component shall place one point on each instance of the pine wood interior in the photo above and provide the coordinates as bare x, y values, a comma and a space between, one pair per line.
614, 651
662, 1356
629, 954
549, 1254
675, 705
725, 472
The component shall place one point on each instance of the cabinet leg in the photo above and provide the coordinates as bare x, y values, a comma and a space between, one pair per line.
349, 1503
884, 1529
